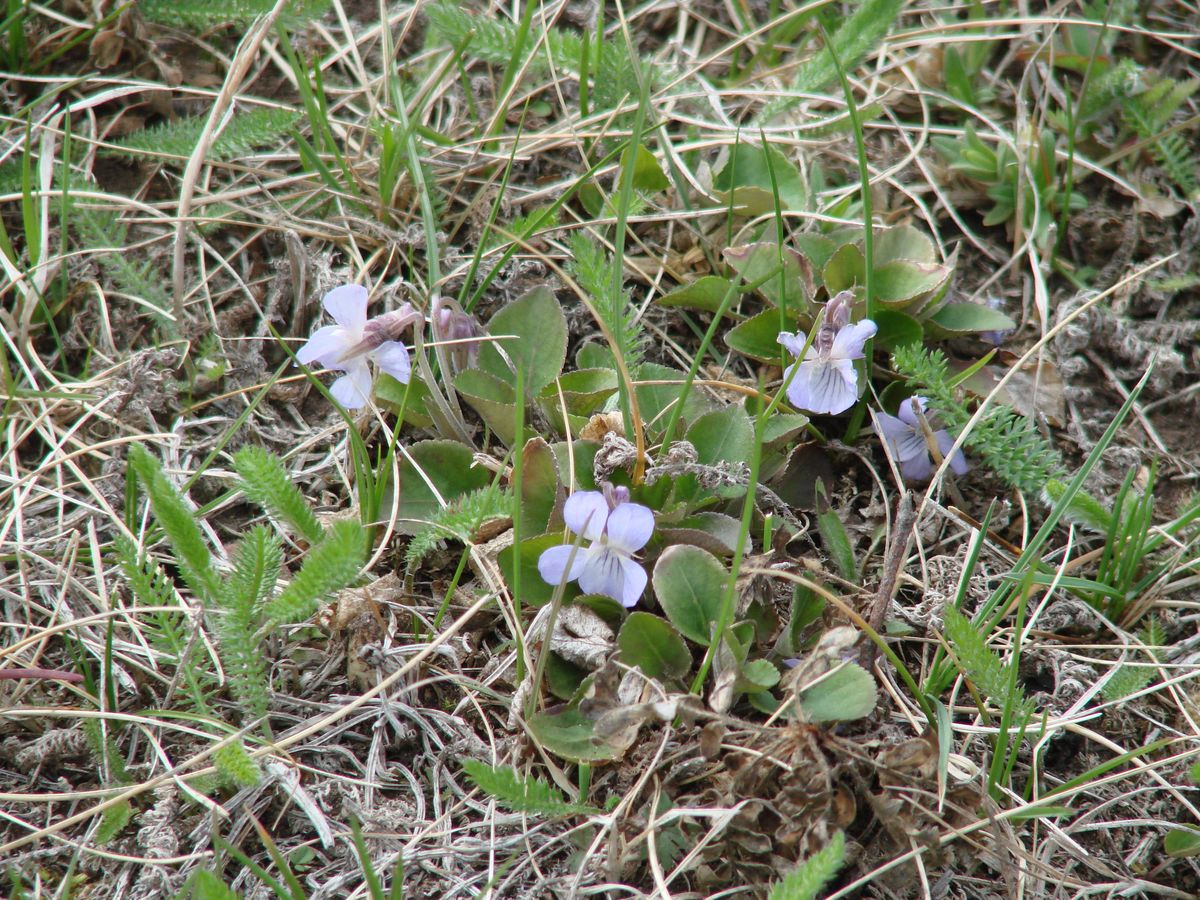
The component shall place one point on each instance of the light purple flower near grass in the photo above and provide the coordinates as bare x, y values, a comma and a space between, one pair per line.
349, 345
617, 529
906, 438
826, 380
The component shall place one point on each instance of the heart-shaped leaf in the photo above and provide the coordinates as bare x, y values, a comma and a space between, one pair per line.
758, 336
903, 242
904, 284
690, 585
965, 318
492, 398
444, 465
570, 735
788, 274
845, 694
650, 642
648, 175
758, 675
707, 293
540, 488
753, 175
531, 332
897, 329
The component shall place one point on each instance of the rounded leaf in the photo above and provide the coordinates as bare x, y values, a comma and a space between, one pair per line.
651, 643
690, 584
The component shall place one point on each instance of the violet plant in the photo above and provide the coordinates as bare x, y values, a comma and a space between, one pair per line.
908, 438
825, 379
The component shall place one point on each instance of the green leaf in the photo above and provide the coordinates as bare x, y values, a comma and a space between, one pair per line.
527, 795
897, 328
845, 270
204, 885
834, 538
782, 426
655, 399
648, 175
540, 488
651, 643
964, 318
758, 675
903, 242
724, 435
176, 518
538, 341
788, 274
392, 393
981, 664
690, 584
707, 293
904, 283
845, 694
330, 566
569, 735
1182, 842
267, 483
448, 467
494, 400
112, 822
745, 181
236, 766
807, 880
583, 391
758, 337
245, 131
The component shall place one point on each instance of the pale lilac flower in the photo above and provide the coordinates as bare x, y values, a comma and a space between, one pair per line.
826, 380
617, 530
459, 331
355, 339
906, 438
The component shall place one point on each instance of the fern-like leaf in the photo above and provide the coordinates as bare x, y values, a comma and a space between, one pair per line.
857, 36
176, 140
179, 523
236, 766
330, 566
807, 879
981, 664
458, 520
593, 270
256, 563
266, 482
527, 795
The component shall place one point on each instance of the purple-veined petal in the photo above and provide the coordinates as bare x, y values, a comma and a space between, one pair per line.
823, 386
348, 306
906, 441
562, 563
958, 462
850, 340
613, 574
326, 347
392, 357
906, 412
792, 343
919, 468
630, 526
585, 512
353, 389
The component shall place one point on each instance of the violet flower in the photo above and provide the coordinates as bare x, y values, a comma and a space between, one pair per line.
906, 438
617, 529
355, 339
826, 380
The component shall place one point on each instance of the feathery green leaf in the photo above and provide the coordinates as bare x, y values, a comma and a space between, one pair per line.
528, 795
266, 482
807, 879
330, 566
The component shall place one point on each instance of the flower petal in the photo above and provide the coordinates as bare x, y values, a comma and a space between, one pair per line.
907, 442
958, 462
850, 340
823, 386
793, 343
392, 357
906, 412
353, 389
562, 563
348, 306
615, 575
919, 468
586, 512
629, 527
326, 347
